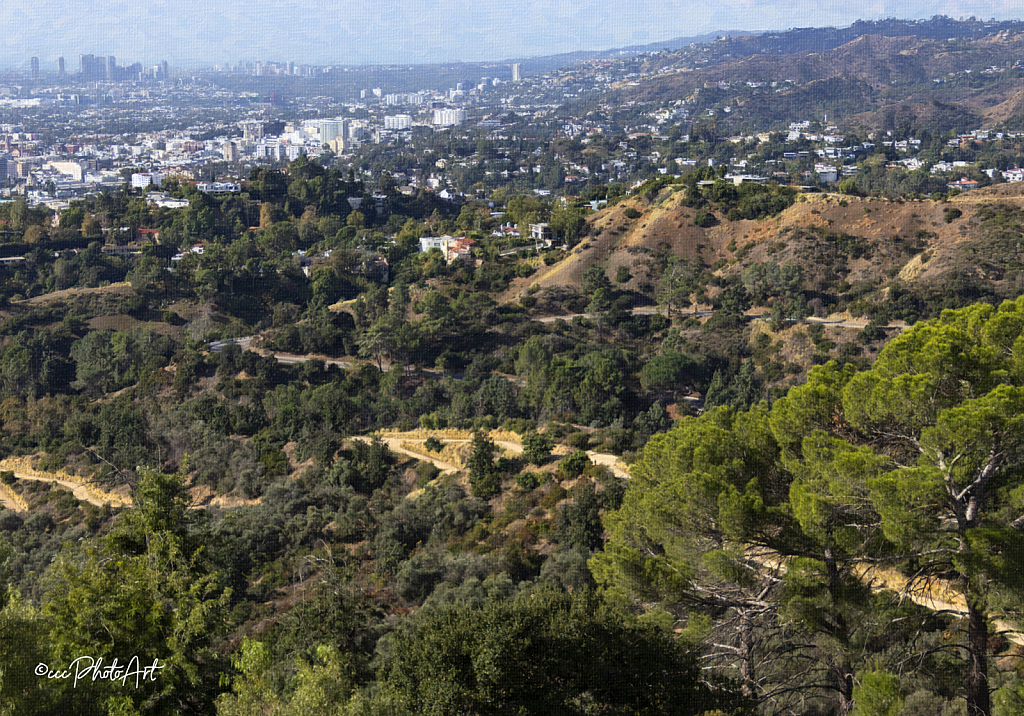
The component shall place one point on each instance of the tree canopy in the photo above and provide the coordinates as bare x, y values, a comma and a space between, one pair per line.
779, 513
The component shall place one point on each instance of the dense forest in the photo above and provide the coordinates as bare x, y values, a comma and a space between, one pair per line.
324, 471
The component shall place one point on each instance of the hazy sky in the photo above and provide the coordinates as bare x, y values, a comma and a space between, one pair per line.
409, 31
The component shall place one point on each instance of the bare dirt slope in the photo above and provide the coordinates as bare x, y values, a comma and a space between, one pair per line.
882, 237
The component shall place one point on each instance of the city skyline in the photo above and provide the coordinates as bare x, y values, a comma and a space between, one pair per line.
359, 32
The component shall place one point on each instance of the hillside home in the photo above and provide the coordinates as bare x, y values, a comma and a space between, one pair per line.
963, 184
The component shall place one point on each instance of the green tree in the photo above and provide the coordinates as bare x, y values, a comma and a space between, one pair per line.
914, 463
946, 400
573, 464
484, 477
678, 282
537, 448
667, 371
568, 222
878, 694
24, 645
145, 590
377, 341
546, 652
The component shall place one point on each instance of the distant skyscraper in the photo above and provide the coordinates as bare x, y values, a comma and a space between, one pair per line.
229, 150
164, 72
35, 68
60, 66
517, 72
331, 130
111, 65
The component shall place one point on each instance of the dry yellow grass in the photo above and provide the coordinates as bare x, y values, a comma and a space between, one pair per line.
24, 466
13, 498
448, 434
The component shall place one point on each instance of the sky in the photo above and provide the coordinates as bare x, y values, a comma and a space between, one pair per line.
355, 32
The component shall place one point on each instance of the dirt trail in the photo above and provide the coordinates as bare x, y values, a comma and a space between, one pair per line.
937, 595
22, 469
396, 442
395, 445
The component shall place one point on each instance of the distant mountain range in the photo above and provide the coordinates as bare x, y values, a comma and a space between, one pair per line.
742, 43
941, 74
554, 62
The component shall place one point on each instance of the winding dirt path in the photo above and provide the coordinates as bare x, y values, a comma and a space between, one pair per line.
395, 445
397, 442
81, 490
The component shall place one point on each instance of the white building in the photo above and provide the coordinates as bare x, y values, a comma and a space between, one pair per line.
140, 181
398, 122
826, 173
71, 169
449, 117
165, 201
219, 187
332, 129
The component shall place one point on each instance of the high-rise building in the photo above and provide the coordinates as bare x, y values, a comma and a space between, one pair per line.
398, 122
164, 71
449, 117
35, 67
330, 130
229, 150
517, 72
60, 66
110, 68
93, 67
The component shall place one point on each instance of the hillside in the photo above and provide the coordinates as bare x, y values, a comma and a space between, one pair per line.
866, 81
882, 238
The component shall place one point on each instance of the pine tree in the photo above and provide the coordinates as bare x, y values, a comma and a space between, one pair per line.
483, 474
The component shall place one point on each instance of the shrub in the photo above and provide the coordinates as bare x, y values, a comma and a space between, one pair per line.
574, 464
580, 440
703, 219
529, 480
555, 495
537, 448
